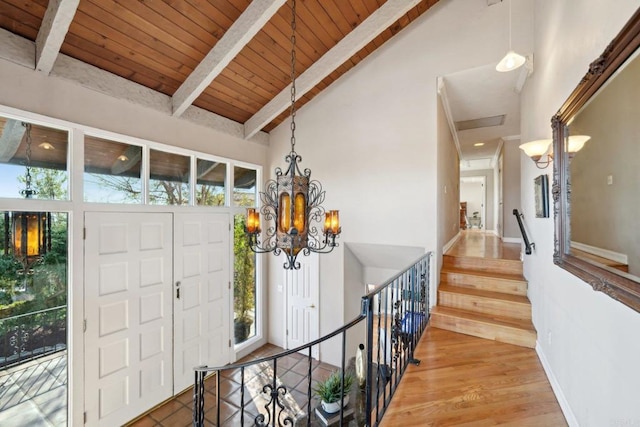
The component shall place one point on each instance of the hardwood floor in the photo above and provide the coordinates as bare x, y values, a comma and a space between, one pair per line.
476, 243
468, 381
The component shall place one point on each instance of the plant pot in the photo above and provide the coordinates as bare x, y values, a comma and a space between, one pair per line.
242, 329
333, 407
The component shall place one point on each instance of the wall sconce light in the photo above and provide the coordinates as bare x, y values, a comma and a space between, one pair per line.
576, 142
536, 149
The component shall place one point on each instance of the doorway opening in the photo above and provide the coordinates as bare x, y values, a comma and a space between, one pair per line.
473, 193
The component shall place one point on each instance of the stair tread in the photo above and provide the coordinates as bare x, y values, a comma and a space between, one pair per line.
509, 322
518, 299
480, 273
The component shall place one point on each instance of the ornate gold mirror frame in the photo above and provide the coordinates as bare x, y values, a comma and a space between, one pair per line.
618, 285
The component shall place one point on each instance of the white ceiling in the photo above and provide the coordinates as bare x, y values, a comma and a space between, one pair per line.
484, 92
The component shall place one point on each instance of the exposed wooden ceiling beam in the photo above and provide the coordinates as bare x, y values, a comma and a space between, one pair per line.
53, 30
10, 139
237, 36
369, 29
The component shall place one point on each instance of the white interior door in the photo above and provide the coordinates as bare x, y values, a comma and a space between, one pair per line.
128, 357
303, 303
201, 294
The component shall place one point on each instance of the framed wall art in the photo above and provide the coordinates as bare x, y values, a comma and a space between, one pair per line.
541, 184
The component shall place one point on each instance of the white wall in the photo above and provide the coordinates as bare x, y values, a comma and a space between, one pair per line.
588, 341
448, 182
371, 137
511, 188
354, 288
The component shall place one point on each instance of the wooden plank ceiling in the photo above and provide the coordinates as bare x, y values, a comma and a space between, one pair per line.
159, 44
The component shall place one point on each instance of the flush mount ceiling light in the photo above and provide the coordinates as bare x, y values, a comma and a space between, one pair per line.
478, 144
292, 203
46, 146
536, 149
511, 60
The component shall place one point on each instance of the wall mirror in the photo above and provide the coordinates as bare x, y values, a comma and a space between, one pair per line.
596, 187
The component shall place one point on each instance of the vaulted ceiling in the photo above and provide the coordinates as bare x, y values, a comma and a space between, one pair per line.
228, 57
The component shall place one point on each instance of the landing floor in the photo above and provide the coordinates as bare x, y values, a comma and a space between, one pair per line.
468, 381
475, 243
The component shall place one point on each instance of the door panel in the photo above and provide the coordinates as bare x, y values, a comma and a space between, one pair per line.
202, 311
302, 303
128, 271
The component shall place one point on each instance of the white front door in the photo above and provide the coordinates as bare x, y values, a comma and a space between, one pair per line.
128, 272
201, 294
303, 303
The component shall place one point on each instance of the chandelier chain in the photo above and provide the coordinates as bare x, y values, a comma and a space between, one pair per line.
28, 191
293, 75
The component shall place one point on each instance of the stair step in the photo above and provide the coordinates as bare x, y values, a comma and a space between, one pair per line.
514, 284
507, 266
486, 302
498, 328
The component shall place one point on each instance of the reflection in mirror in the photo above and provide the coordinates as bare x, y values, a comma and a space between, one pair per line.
605, 178
596, 190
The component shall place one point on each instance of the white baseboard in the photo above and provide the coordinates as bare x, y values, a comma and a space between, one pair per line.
451, 242
602, 253
512, 240
555, 386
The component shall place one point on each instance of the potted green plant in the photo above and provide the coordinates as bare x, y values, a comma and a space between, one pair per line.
331, 391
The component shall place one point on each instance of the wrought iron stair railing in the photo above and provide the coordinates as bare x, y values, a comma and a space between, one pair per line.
392, 319
527, 246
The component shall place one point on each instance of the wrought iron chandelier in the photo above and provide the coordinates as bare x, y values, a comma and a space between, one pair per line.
28, 234
291, 204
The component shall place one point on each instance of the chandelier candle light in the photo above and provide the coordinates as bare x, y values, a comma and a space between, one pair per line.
291, 204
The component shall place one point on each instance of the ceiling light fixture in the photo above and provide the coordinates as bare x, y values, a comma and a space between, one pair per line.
123, 158
511, 60
536, 149
292, 203
478, 144
28, 234
46, 146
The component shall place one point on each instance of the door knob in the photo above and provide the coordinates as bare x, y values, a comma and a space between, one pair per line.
312, 306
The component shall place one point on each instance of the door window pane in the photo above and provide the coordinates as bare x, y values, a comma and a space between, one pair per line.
211, 183
244, 189
112, 171
244, 284
33, 321
41, 148
169, 178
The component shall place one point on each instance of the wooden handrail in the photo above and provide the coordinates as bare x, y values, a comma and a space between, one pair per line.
528, 246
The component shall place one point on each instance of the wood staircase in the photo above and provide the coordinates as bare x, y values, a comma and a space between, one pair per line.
486, 298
